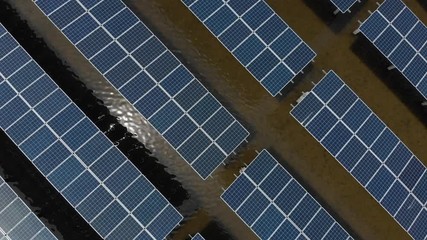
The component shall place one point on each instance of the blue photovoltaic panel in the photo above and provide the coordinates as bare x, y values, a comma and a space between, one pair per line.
401, 37
275, 206
344, 5
104, 187
150, 77
257, 37
369, 150
198, 237
17, 221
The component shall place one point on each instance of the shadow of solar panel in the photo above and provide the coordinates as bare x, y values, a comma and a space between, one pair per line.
198, 237
344, 5
77, 159
398, 33
16, 219
275, 206
137, 63
370, 151
257, 37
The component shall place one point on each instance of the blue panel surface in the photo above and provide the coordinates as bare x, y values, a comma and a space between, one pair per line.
66, 14
166, 116
252, 208
257, 37
351, 153
147, 74
366, 167
368, 150
205, 164
139, 189
121, 22
74, 156
268, 222
52, 157
24, 127
25, 76
337, 138
220, 20
274, 205
194, 146
75, 33
16, 220
398, 33
123, 72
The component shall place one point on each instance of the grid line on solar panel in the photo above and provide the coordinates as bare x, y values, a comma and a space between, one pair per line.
17, 221
369, 151
344, 5
258, 38
274, 205
145, 72
402, 38
66, 147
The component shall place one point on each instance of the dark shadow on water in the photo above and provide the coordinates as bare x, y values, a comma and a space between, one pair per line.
324, 9
296, 81
393, 79
315, 195
214, 231
39, 194
93, 108
423, 3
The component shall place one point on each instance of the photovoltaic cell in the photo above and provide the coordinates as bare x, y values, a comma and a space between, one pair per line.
17, 221
257, 37
401, 37
78, 160
369, 151
148, 75
275, 206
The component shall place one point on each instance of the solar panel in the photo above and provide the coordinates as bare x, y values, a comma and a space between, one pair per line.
104, 187
334, 115
275, 206
198, 237
151, 78
257, 37
344, 5
17, 221
401, 37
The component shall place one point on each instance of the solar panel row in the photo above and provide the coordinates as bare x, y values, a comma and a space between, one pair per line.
151, 78
198, 237
334, 115
275, 206
344, 5
401, 37
17, 221
257, 37
104, 187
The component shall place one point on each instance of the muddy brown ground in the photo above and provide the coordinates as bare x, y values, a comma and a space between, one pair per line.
267, 118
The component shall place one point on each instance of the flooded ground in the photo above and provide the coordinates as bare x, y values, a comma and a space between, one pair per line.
266, 118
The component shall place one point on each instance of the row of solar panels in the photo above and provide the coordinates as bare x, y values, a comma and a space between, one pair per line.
402, 38
336, 117
274, 54
98, 12
275, 206
96, 179
17, 221
151, 78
